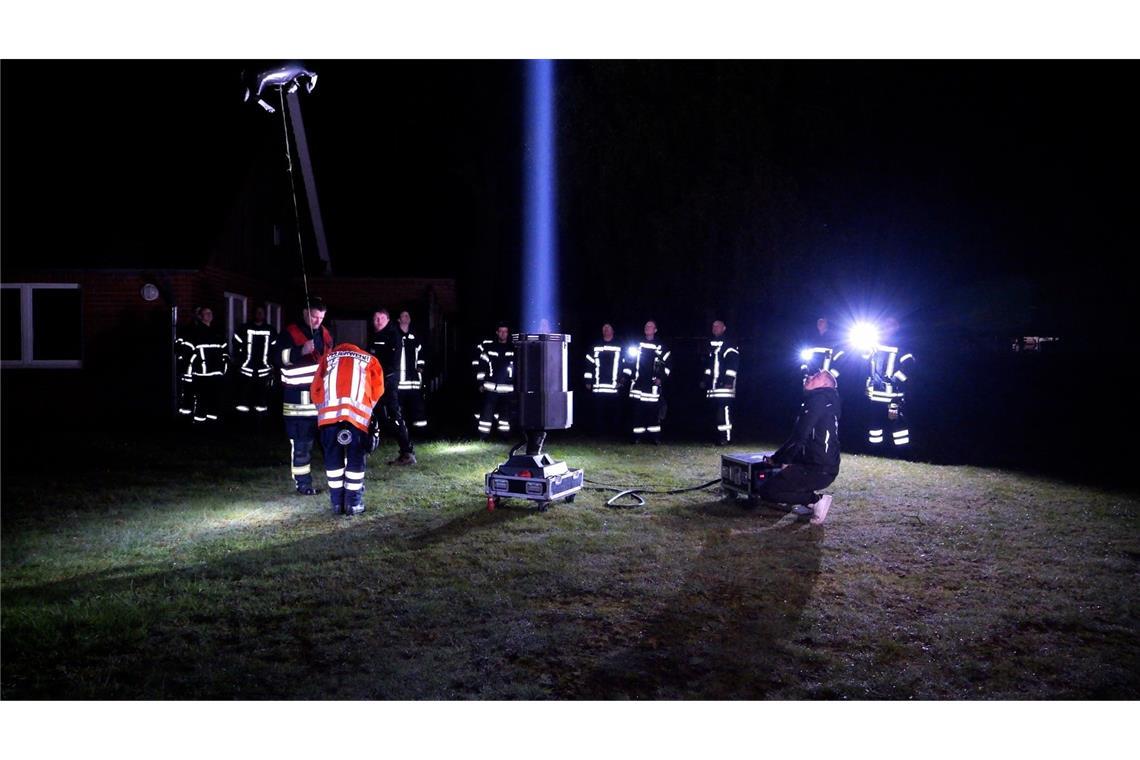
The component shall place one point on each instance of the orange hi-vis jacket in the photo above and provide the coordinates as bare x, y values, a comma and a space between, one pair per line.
348, 384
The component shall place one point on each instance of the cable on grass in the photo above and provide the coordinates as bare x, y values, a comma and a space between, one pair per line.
635, 492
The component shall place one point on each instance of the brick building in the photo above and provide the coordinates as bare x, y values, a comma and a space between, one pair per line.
101, 340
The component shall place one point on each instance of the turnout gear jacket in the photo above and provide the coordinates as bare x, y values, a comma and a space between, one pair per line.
298, 370
209, 357
821, 352
185, 352
477, 361
253, 345
646, 361
347, 384
497, 365
814, 441
412, 363
603, 367
721, 363
888, 374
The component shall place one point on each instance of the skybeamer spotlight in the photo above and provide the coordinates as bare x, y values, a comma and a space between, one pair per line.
545, 403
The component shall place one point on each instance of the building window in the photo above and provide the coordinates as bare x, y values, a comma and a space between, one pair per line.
235, 314
42, 325
273, 315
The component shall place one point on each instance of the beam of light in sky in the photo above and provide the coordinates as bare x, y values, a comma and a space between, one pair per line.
540, 234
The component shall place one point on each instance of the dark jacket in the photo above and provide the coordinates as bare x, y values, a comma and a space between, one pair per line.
385, 346
297, 369
815, 440
254, 346
411, 361
210, 358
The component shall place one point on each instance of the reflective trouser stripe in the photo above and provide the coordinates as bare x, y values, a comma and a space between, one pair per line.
638, 430
353, 481
654, 429
336, 483
421, 423
298, 470
334, 473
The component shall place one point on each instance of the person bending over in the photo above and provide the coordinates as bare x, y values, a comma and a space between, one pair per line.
809, 460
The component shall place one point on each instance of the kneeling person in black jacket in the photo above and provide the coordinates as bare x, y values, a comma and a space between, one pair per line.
809, 460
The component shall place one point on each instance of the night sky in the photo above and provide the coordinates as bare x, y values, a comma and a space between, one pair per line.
971, 196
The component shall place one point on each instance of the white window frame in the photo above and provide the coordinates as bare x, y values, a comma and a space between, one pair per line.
27, 329
273, 314
233, 322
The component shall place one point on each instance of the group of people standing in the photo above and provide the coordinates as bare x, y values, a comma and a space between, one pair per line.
341, 395
344, 395
645, 369
347, 395
629, 385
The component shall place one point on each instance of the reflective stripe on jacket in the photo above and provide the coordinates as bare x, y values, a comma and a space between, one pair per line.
347, 385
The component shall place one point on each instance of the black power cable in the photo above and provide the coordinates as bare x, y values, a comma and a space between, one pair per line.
635, 492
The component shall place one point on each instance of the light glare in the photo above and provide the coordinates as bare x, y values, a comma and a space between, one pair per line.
864, 336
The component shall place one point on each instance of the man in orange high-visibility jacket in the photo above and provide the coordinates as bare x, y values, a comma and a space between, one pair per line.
348, 384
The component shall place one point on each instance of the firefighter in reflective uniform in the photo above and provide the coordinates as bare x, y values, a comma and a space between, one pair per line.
647, 367
497, 369
821, 351
385, 346
184, 354
253, 346
413, 367
886, 391
603, 378
721, 362
300, 347
208, 366
345, 389
480, 373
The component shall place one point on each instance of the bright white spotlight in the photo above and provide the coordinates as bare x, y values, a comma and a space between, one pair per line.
631, 352
806, 354
864, 336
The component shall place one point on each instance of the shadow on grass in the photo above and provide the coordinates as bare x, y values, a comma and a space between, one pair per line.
728, 626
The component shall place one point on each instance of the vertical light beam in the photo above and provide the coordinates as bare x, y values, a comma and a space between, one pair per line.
540, 234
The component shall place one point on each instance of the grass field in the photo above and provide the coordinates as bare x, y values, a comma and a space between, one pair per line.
174, 569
